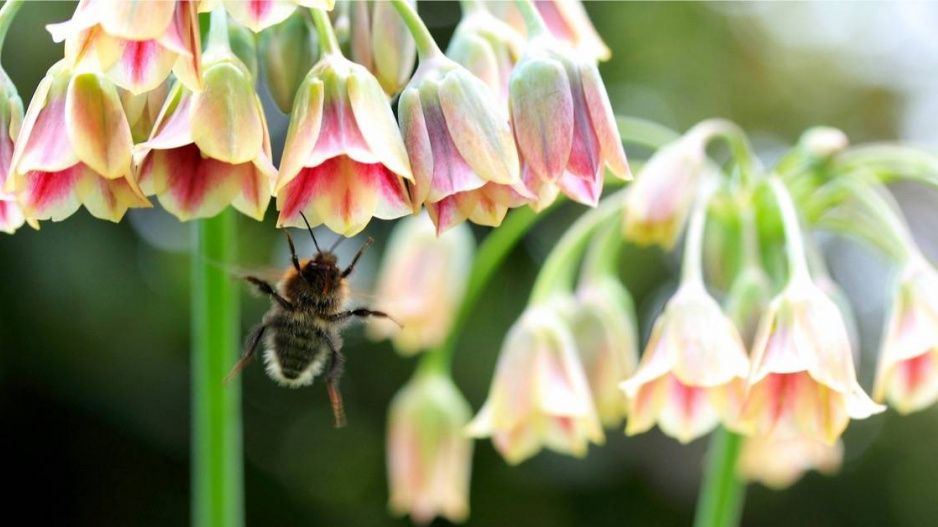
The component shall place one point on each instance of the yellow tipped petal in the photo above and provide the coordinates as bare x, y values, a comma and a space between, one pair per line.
97, 127
225, 121
136, 19
376, 122
303, 133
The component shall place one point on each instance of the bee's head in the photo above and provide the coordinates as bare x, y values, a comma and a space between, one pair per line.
322, 274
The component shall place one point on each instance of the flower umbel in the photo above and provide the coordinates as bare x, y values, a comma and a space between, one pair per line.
539, 396
429, 457
422, 281
907, 375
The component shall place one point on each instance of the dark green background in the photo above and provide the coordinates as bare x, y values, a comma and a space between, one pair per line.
94, 335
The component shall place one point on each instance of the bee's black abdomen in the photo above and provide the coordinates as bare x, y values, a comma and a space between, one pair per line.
297, 350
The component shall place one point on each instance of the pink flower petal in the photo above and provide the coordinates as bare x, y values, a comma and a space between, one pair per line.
11, 216
52, 195
190, 185
143, 65
44, 136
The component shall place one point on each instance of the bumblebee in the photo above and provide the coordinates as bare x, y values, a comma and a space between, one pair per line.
301, 332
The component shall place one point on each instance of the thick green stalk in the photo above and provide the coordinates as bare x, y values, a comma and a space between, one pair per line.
426, 46
794, 236
7, 13
218, 31
217, 471
721, 494
328, 43
692, 265
532, 18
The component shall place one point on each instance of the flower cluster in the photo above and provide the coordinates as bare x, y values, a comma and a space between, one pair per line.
140, 107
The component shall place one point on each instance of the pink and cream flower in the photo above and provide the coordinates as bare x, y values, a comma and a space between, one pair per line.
780, 463
74, 149
258, 15
692, 375
539, 396
344, 161
137, 44
11, 118
210, 149
907, 375
802, 382
460, 145
429, 456
487, 47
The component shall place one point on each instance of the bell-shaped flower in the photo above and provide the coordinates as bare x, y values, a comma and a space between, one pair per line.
658, 203
422, 281
802, 382
563, 121
344, 161
459, 141
486, 205
429, 456
692, 375
380, 41
907, 375
780, 463
137, 44
11, 118
539, 396
487, 47
258, 15
288, 49
568, 21
210, 149
74, 149
603, 323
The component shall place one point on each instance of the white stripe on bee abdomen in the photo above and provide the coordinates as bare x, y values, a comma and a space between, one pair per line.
305, 378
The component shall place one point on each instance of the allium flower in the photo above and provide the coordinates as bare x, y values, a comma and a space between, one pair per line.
539, 395
429, 456
74, 149
802, 381
693, 372
211, 148
603, 326
258, 15
288, 49
568, 21
659, 201
563, 122
137, 44
422, 281
779, 463
907, 375
344, 161
11, 118
487, 47
381, 42
459, 141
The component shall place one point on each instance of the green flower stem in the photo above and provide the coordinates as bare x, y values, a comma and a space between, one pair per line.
533, 21
643, 132
7, 14
794, 237
692, 265
218, 30
426, 47
879, 202
738, 142
721, 494
602, 256
328, 43
217, 472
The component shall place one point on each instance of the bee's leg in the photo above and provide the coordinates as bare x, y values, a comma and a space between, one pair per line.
293, 259
336, 367
361, 313
351, 267
249, 351
269, 290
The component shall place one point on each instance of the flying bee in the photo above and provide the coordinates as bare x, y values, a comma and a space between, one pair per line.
302, 330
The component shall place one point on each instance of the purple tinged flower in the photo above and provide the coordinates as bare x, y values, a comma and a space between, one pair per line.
487, 47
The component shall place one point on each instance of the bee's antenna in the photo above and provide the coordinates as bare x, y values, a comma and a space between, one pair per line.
338, 241
310, 228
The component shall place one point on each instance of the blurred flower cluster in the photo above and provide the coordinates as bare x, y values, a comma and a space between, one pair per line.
141, 107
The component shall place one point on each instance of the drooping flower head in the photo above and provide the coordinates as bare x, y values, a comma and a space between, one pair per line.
210, 149
603, 324
780, 463
539, 396
422, 281
379, 41
11, 118
459, 141
344, 161
563, 121
74, 148
429, 456
907, 375
137, 44
258, 15
567, 20
802, 382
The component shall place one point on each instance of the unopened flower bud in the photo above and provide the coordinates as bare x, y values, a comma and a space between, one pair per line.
539, 396
822, 142
568, 21
429, 456
422, 281
488, 48
288, 50
381, 42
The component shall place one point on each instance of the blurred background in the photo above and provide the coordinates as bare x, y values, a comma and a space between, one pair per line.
94, 336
